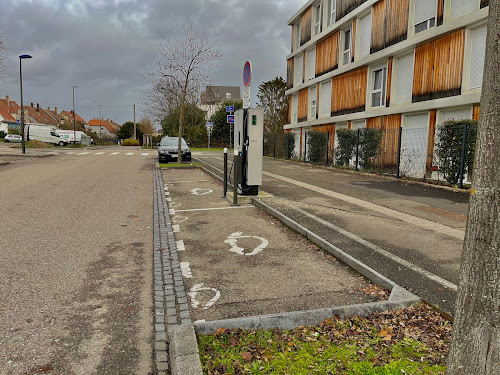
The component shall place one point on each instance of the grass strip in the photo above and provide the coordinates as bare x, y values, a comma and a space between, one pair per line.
408, 341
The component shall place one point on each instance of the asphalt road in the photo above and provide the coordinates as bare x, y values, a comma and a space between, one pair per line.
412, 234
76, 258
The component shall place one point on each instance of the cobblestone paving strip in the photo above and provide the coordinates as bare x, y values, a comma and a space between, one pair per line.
171, 308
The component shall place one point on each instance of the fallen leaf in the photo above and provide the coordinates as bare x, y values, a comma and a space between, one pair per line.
247, 357
233, 341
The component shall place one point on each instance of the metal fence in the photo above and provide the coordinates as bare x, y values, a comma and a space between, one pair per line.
402, 152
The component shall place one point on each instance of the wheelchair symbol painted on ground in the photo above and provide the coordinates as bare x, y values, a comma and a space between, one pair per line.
199, 191
193, 295
233, 240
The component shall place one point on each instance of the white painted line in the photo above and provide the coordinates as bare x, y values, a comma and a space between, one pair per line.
199, 191
200, 321
186, 270
216, 208
69, 153
114, 153
379, 250
181, 182
180, 245
193, 294
165, 188
83, 153
129, 153
145, 154
233, 240
169, 200
175, 205
99, 153
171, 211
176, 228
180, 219
410, 219
167, 193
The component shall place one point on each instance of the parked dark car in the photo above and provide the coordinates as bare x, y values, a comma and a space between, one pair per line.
168, 149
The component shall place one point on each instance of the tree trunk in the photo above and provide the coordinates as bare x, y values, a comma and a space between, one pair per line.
181, 123
475, 346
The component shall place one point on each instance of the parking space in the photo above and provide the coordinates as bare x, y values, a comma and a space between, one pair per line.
239, 261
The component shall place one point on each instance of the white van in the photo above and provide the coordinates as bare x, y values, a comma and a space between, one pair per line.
69, 135
44, 133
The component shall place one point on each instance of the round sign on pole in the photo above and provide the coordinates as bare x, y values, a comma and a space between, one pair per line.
247, 74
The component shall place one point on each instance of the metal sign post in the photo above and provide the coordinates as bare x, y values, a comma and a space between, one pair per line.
209, 131
230, 111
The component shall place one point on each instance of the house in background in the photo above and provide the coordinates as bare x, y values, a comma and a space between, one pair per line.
213, 97
386, 64
103, 128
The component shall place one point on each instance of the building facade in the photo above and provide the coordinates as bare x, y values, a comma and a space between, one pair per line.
386, 64
214, 96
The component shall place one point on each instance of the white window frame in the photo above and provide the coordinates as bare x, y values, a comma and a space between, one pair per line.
296, 79
359, 35
344, 50
329, 112
313, 103
430, 23
382, 90
468, 59
318, 15
332, 11
295, 109
395, 100
308, 77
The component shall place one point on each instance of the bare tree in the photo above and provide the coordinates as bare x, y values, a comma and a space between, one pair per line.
476, 335
146, 125
184, 67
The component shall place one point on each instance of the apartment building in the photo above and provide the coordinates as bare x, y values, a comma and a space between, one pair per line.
386, 64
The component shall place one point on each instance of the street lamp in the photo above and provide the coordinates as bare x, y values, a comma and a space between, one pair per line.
74, 119
22, 109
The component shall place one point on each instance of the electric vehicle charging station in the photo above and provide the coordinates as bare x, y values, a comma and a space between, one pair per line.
248, 141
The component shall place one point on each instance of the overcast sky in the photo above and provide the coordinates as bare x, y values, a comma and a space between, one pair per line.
103, 46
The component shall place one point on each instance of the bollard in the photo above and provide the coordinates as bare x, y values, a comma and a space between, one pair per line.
225, 173
236, 162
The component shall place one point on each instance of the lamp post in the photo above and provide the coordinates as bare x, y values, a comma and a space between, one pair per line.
100, 125
22, 109
74, 118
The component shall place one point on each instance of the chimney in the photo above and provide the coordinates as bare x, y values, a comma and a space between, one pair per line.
31, 104
37, 107
55, 110
7, 100
48, 108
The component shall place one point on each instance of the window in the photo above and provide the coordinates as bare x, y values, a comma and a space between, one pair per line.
365, 31
332, 11
296, 37
310, 64
378, 87
295, 108
325, 97
461, 7
228, 95
404, 78
425, 14
312, 102
347, 46
478, 52
317, 19
298, 68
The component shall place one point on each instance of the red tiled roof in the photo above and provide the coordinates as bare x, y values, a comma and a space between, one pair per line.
97, 122
39, 116
4, 111
69, 115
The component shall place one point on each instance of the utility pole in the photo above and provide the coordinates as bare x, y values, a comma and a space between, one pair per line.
74, 118
135, 129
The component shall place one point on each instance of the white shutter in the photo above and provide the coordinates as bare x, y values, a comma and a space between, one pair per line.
461, 7
415, 138
311, 64
365, 30
355, 125
478, 52
325, 97
404, 79
457, 114
425, 10
299, 69
313, 102
295, 107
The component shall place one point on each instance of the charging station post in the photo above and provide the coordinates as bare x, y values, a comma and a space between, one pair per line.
225, 173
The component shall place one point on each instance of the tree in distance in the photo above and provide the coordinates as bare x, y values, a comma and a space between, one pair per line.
126, 131
273, 101
184, 67
195, 132
220, 129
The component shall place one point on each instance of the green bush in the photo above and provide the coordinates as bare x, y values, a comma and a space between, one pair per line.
131, 142
2, 134
449, 148
289, 145
316, 146
369, 145
346, 141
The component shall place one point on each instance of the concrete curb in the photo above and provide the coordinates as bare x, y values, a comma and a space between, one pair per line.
295, 319
36, 156
4, 162
184, 355
360, 267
